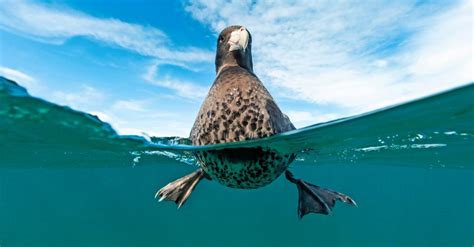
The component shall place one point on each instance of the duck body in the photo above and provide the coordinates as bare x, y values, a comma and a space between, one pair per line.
238, 108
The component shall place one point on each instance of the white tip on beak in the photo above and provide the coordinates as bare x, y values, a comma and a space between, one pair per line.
239, 39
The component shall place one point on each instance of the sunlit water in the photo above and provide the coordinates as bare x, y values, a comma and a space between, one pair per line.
68, 179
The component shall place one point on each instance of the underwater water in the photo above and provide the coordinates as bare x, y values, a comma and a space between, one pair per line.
68, 179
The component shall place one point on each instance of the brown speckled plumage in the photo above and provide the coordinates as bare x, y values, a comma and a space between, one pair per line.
237, 108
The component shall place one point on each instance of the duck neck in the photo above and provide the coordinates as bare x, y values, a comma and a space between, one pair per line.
237, 58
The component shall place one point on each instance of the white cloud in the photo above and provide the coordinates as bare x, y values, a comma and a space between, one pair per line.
305, 118
184, 89
22, 78
130, 105
53, 24
82, 99
56, 25
137, 117
358, 56
133, 123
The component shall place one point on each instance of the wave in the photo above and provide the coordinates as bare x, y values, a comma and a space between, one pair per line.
431, 132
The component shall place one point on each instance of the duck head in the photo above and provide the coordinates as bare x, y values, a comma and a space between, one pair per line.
234, 48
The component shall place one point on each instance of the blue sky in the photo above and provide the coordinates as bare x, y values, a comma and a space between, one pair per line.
146, 66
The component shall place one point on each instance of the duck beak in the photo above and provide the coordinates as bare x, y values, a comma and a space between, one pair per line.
239, 39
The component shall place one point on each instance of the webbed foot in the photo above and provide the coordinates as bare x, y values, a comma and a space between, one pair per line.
314, 199
180, 189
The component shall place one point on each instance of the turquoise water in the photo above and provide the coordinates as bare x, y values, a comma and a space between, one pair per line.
68, 179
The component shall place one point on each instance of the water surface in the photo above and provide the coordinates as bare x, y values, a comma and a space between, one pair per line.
68, 179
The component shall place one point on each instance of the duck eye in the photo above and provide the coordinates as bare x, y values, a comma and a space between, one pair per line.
221, 38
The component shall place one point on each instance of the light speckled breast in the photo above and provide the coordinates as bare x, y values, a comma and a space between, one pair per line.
238, 108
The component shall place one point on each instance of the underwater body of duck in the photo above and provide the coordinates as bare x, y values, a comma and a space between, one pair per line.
401, 164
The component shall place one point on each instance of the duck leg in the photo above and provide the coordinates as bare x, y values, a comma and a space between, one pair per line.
180, 189
314, 199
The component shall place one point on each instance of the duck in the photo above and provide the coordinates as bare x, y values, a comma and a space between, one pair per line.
238, 108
